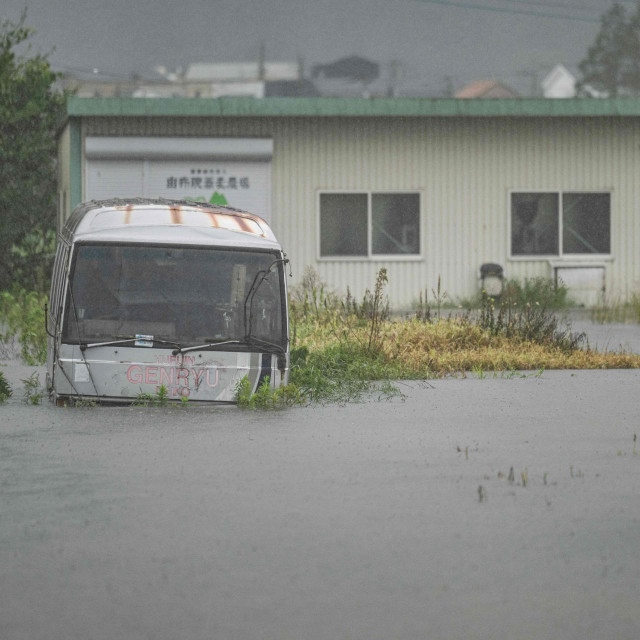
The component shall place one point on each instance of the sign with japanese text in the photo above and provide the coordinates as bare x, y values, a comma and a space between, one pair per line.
240, 184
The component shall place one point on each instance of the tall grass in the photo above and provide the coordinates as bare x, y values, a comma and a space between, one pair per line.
617, 311
335, 358
542, 292
22, 316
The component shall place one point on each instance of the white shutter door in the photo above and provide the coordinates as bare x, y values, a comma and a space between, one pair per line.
585, 284
242, 184
114, 179
238, 183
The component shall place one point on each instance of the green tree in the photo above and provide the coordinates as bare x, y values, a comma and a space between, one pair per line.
604, 67
30, 108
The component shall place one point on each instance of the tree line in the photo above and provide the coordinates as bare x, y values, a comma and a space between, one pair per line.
611, 67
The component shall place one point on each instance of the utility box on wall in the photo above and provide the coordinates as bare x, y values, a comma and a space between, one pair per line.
586, 284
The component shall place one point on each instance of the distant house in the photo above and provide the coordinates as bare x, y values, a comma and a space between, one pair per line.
291, 89
236, 79
200, 80
352, 76
559, 83
486, 89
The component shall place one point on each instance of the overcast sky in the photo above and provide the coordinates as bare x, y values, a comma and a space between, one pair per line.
430, 39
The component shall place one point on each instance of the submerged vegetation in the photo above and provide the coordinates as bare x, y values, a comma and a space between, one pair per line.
5, 390
22, 319
617, 311
347, 349
343, 349
543, 292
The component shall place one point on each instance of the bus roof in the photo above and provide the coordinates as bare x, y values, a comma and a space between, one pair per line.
159, 220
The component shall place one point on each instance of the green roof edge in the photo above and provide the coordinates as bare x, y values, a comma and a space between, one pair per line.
351, 107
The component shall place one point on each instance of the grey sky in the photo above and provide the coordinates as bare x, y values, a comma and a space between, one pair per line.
429, 38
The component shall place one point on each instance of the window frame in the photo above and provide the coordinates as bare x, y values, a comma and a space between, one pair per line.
370, 257
561, 256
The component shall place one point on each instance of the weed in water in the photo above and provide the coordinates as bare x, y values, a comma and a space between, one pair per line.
5, 389
440, 297
22, 312
143, 400
345, 372
162, 395
267, 398
524, 476
511, 478
346, 350
478, 372
33, 392
159, 399
532, 323
482, 494
617, 310
243, 393
84, 403
543, 292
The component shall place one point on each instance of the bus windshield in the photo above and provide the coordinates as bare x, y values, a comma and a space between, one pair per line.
187, 295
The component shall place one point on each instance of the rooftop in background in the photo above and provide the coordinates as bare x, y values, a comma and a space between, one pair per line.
486, 89
353, 107
242, 71
559, 83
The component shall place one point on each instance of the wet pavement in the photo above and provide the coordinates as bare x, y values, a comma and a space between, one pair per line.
500, 507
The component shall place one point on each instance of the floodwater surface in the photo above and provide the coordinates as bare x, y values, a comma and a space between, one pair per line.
472, 509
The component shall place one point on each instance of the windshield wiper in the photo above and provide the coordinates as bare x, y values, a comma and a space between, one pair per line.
113, 343
269, 347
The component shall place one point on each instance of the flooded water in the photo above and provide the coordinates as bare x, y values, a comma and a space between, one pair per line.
472, 509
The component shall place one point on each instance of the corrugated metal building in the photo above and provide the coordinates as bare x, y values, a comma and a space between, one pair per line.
426, 188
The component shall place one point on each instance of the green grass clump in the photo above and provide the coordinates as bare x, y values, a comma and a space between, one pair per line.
529, 323
344, 371
267, 398
22, 312
617, 311
33, 392
159, 399
340, 355
541, 292
5, 390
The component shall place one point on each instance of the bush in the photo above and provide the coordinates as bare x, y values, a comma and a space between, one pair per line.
22, 312
528, 323
543, 292
5, 389
617, 311
267, 398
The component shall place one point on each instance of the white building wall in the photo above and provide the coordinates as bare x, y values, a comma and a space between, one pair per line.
464, 168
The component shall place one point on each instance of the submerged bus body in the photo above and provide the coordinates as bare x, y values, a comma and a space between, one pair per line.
165, 298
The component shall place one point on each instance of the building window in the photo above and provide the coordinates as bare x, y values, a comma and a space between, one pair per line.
363, 225
565, 223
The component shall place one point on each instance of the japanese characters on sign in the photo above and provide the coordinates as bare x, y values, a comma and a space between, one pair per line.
208, 179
